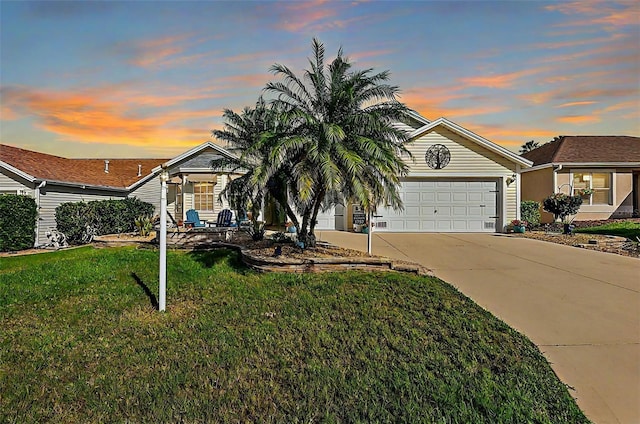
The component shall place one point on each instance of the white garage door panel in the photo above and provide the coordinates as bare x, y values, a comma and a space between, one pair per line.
443, 206
326, 220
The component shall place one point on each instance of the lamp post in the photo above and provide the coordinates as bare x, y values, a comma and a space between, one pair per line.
162, 290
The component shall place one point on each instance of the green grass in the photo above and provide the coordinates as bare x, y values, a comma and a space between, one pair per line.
627, 229
81, 342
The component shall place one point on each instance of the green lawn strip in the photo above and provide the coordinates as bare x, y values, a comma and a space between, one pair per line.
630, 230
82, 343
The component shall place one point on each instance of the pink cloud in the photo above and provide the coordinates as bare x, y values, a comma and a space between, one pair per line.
578, 119
506, 80
572, 104
91, 116
607, 14
314, 16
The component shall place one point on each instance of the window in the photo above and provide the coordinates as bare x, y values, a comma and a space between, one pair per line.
203, 196
598, 183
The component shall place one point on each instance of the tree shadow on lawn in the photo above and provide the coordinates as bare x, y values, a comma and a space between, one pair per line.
210, 257
145, 288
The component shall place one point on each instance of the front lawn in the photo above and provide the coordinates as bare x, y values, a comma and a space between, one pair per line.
81, 342
627, 229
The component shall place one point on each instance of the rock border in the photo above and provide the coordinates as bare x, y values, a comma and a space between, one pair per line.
337, 264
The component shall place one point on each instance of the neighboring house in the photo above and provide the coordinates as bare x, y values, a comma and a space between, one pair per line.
609, 166
457, 182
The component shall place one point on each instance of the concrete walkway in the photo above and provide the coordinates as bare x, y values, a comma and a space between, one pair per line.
580, 307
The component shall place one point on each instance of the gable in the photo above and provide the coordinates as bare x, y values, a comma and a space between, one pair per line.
199, 161
467, 156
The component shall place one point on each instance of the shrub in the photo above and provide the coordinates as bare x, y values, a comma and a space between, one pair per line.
530, 212
562, 205
18, 216
144, 225
106, 216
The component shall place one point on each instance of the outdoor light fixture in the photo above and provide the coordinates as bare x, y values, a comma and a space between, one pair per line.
511, 179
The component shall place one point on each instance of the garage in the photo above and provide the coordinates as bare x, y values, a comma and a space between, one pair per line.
443, 205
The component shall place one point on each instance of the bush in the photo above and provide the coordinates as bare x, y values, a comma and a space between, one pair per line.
530, 212
144, 225
18, 216
562, 205
106, 216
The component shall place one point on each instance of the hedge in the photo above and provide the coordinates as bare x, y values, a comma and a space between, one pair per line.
18, 215
106, 216
530, 212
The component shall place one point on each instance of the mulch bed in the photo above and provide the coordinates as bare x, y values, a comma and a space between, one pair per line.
611, 244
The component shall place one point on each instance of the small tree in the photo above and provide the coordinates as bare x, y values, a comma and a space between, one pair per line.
562, 205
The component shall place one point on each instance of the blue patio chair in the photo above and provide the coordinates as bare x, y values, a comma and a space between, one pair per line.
242, 219
225, 217
193, 219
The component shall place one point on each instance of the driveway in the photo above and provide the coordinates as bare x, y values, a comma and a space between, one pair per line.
580, 307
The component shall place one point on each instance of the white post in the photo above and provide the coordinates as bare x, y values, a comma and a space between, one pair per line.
162, 290
369, 232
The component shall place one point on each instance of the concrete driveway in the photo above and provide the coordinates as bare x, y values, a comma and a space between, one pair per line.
580, 307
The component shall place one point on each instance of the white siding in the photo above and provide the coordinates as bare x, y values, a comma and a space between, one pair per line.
12, 182
467, 157
512, 203
149, 192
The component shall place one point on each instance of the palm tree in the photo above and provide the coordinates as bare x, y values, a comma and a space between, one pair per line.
338, 141
244, 133
528, 146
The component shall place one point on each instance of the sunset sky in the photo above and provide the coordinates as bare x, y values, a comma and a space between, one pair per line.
151, 78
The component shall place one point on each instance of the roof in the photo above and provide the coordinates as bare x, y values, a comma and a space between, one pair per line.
596, 149
473, 137
33, 166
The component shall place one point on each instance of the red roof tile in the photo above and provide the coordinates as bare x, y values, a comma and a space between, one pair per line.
122, 172
587, 149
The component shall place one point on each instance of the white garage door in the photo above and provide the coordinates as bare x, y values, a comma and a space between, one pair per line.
443, 206
333, 219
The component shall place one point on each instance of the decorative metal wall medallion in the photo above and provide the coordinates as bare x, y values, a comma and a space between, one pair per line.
438, 156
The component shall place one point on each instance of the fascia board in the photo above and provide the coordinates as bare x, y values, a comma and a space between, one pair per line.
457, 175
415, 115
538, 167
601, 164
473, 137
18, 172
85, 186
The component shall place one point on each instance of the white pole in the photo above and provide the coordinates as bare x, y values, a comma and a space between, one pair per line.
369, 233
162, 290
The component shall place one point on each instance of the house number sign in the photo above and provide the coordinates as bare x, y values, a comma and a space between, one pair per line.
438, 156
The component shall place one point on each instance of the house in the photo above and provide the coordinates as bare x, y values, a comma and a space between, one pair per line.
607, 166
53, 180
457, 182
